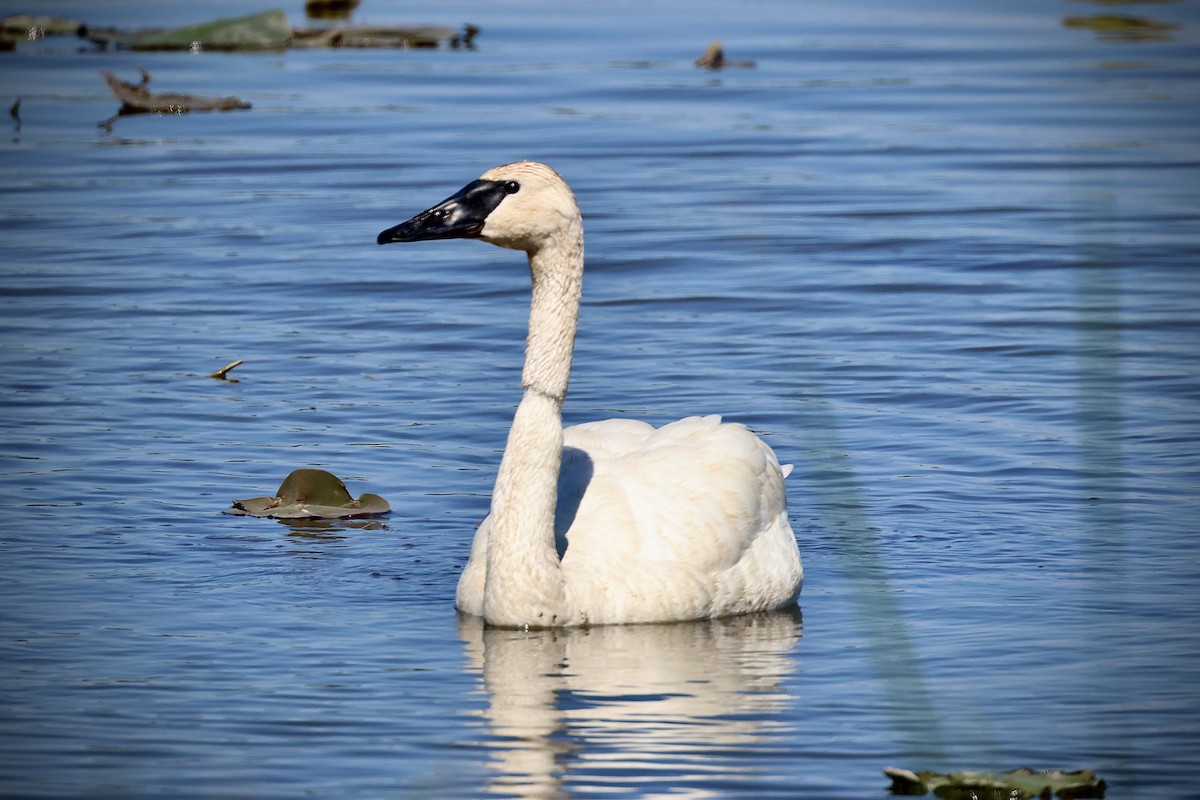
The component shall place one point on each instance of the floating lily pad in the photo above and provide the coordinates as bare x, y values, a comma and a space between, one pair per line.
329, 9
269, 30
311, 494
1018, 784
375, 36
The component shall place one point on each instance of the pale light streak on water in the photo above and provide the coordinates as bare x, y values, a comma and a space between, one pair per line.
944, 260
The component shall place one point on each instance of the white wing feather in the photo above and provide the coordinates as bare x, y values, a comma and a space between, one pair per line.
686, 521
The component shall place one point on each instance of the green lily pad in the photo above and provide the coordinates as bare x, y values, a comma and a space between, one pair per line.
311, 494
1018, 784
269, 30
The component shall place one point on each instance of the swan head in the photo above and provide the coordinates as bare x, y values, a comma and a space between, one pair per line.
522, 206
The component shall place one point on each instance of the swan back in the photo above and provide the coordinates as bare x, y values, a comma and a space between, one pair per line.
680, 522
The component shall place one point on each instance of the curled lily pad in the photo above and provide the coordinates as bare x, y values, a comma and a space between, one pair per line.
1017, 784
269, 30
311, 494
39, 26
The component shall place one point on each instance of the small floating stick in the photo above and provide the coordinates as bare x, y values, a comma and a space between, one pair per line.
223, 372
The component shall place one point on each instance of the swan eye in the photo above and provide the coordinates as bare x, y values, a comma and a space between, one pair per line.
511, 187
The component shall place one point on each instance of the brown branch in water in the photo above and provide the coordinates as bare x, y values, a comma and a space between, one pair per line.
137, 99
223, 372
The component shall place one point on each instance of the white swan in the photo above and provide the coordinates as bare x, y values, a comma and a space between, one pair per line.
613, 521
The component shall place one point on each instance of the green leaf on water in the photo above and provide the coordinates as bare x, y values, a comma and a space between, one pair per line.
1018, 784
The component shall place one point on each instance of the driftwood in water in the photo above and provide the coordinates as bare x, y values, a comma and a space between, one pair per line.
366, 36
137, 99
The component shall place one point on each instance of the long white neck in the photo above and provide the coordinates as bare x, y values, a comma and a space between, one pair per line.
524, 583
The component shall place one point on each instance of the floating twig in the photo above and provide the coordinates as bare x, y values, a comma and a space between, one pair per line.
265, 31
223, 372
137, 99
329, 9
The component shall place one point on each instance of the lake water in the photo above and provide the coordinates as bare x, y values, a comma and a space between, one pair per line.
942, 256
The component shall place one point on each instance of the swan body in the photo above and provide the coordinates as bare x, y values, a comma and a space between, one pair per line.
613, 521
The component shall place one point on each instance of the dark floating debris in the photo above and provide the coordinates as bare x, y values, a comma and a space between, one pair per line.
1123, 28
137, 99
1018, 784
264, 31
311, 494
329, 9
714, 58
32, 27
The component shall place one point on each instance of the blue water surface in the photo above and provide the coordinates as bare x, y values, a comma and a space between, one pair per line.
942, 258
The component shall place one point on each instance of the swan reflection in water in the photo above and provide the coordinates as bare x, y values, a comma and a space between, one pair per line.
664, 709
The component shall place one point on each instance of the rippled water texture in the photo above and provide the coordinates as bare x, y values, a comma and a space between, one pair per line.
942, 256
